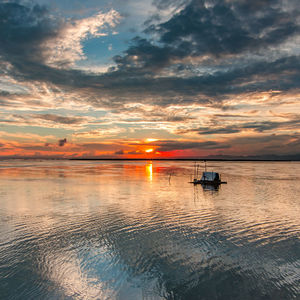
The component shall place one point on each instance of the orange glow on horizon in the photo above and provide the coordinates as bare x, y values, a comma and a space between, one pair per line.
149, 140
132, 149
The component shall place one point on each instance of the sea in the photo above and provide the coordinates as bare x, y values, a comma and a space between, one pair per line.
140, 230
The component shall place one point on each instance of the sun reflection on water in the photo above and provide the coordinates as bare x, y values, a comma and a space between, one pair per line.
149, 171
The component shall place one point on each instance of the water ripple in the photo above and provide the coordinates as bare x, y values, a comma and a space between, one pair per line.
80, 231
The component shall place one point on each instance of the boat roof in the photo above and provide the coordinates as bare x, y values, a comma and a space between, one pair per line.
210, 176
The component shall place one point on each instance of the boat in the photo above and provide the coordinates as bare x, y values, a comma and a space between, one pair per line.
208, 178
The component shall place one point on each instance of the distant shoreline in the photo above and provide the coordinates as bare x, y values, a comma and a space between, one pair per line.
181, 159
156, 159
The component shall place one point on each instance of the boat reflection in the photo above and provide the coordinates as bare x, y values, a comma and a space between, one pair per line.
210, 187
206, 188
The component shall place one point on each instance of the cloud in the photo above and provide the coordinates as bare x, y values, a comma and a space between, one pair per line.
66, 47
105, 146
30, 33
134, 152
103, 132
216, 29
45, 120
151, 113
27, 136
117, 88
277, 144
62, 142
23, 29
119, 152
171, 145
239, 145
257, 126
272, 143
167, 4
227, 27
154, 70
59, 119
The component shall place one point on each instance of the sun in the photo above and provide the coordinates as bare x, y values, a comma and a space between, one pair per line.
149, 150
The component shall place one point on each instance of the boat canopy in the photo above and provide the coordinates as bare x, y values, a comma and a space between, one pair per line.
210, 176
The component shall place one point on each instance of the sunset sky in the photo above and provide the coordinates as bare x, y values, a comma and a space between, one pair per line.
150, 78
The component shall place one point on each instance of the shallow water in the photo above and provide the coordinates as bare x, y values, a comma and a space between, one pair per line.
139, 230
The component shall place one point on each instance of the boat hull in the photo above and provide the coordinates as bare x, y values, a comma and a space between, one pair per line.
208, 182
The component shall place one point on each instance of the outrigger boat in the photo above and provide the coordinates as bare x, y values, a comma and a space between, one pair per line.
208, 178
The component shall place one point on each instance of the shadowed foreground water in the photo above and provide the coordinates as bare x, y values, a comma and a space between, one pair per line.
139, 230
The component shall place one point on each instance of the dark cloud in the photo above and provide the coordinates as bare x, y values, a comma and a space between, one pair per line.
214, 28
249, 113
118, 88
268, 125
119, 152
225, 130
134, 152
218, 29
29, 119
272, 143
62, 142
59, 119
282, 74
227, 27
255, 126
266, 144
23, 28
98, 146
171, 145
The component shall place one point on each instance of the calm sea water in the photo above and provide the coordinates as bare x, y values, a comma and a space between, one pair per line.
139, 230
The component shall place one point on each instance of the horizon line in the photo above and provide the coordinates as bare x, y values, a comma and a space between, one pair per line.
157, 159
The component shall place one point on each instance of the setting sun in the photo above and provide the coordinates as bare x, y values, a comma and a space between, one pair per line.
149, 150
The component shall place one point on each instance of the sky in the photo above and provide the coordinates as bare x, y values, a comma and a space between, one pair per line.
149, 79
